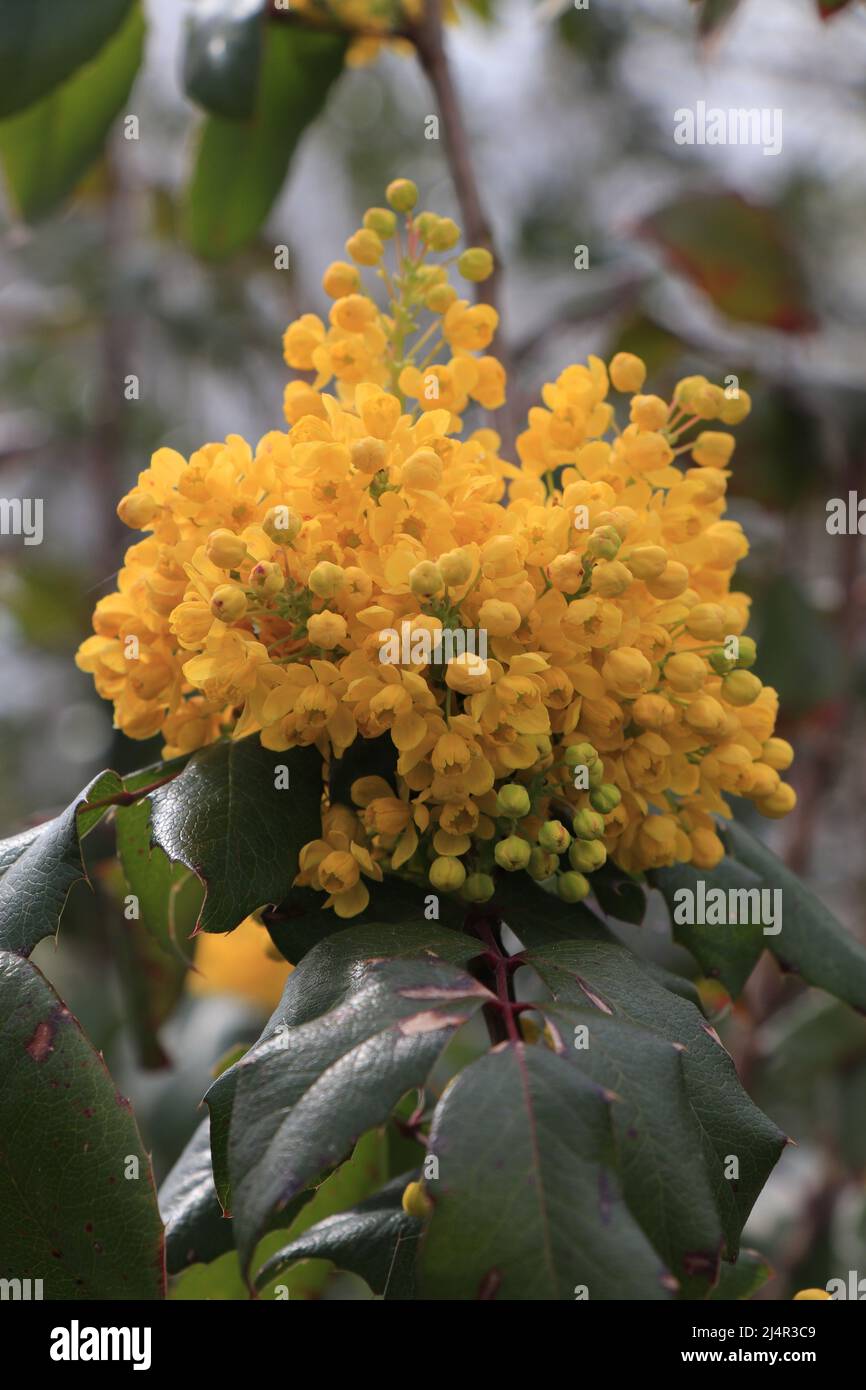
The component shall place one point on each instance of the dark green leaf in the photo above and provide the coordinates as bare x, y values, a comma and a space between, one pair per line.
46, 148
811, 943
77, 1204
591, 968
356, 1028
41, 865
376, 1240
40, 45
744, 1278
222, 55
526, 1206
195, 1229
728, 952
659, 1153
619, 895
169, 895
226, 818
240, 166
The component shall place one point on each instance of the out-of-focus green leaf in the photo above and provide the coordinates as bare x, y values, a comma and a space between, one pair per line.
728, 952
738, 255
811, 943
798, 651
46, 148
827, 8
714, 13
42, 43
77, 1204
741, 1280
241, 165
222, 55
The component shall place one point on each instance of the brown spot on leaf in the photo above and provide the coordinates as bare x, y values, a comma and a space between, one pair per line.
41, 1045
489, 1286
429, 1022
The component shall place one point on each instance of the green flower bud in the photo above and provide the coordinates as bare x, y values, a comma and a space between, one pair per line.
281, 524
741, 688
580, 755
444, 235
425, 224
478, 888
605, 798
586, 855
554, 837
447, 873
512, 853
475, 264
381, 221
748, 652
596, 774
542, 864
402, 194
572, 887
588, 825
604, 543
513, 801
720, 663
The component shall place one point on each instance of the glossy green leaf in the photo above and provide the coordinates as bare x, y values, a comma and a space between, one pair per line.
77, 1203
241, 165
587, 967
226, 818
196, 1231
811, 942
46, 148
41, 44
222, 55
356, 1028
659, 1155
376, 1240
40, 866
526, 1205
728, 951
169, 895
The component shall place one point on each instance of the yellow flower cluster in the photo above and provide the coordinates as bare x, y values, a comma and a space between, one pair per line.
553, 650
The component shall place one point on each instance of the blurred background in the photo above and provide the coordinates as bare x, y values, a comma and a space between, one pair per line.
713, 259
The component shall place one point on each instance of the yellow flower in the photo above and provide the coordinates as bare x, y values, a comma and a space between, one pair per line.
376, 529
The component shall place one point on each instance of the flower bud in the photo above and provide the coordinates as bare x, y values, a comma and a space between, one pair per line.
136, 509
542, 864
580, 755
369, 455
685, 672
747, 653
340, 279
605, 798
455, 567
444, 235
326, 580
228, 603
267, 578
735, 408
627, 372
741, 688
588, 825
720, 663
512, 800
475, 264
777, 753
326, 630
447, 873
604, 543
478, 888
381, 221
646, 561
565, 572
649, 412
672, 581
610, 578
415, 1201
281, 524
440, 298
783, 800
572, 887
586, 855
713, 449
554, 837
810, 1295
225, 550
512, 853
402, 194
365, 247
425, 579
706, 621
